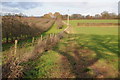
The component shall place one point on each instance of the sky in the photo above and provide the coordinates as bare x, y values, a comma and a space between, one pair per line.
40, 7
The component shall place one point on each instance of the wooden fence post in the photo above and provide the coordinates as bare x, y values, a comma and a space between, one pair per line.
33, 40
45, 42
16, 41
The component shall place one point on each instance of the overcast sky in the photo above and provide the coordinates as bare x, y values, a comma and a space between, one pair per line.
39, 8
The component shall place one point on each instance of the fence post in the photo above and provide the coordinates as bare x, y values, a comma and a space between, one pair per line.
16, 41
33, 39
45, 42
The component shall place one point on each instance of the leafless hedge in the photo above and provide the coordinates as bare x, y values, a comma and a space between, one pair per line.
97, 24
18, 27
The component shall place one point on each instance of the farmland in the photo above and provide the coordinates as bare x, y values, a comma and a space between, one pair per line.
95, 30
86, 52
59, 39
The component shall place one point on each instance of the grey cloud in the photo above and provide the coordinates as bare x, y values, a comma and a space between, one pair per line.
67, 4
13, 10
21, 5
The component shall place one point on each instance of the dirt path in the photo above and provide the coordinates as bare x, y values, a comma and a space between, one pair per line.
66, 68
62, 69
78, 63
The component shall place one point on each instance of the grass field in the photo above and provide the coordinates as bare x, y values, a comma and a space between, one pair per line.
104, 30
79, 56
96, 30
92, 53
89, 52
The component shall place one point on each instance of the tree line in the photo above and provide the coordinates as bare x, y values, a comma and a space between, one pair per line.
103, 15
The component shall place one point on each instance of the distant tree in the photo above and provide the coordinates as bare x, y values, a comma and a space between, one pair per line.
88, 17
97, 16
113, 15
76, 16
64, 17
105, 15
118, 16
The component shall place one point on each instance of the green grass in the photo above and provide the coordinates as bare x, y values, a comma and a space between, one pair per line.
85, 45
55, 30
104, 30
74, 22
41, 67
101, 47
96, 30
100, 42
